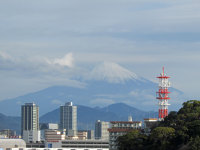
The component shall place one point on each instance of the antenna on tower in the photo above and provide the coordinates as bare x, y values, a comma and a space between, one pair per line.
163, 71
162, 96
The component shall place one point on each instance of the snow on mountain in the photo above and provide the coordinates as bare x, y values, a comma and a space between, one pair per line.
112, 73
108, 83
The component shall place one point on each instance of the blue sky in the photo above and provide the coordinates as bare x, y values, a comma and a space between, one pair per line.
49, 42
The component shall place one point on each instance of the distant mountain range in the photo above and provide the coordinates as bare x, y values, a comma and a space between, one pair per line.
107, 83
86, 116
8, 122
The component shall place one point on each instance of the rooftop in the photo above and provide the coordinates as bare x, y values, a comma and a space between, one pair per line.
127, 122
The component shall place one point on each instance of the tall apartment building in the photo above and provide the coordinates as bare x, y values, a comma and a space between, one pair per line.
30, 122
101, 130
68, 119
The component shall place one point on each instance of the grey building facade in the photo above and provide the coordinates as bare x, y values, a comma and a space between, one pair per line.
30, 122
29, 117
68, 118
101, 130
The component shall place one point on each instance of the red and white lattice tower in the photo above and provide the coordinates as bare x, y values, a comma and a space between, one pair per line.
162, 95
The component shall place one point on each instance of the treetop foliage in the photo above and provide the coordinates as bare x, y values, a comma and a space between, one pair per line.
179, 130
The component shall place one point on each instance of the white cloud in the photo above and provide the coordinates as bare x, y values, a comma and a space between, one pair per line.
32, 73
67, 60
5, 56
36, 64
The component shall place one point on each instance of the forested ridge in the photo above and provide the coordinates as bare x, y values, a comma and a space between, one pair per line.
179, 131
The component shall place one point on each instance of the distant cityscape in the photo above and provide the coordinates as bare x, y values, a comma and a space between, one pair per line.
151, 132
65, 134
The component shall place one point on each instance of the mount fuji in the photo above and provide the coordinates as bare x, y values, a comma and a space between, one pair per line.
107, 83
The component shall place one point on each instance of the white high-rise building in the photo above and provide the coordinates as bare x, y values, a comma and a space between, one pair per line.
30, 122
101, 130
68, 119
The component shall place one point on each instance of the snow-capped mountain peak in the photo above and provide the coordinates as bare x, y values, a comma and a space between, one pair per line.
112, 73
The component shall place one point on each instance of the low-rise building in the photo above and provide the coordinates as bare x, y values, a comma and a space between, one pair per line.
31, 135
119, 128
86, 144
38, 144
149, 123
8, 133
19, 144
12, 143
79, 144
54, 135
90, 134
82, 135
45, 126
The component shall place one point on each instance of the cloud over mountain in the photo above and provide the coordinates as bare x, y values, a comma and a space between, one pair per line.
37, 66
66, 61
31, 73
107, 83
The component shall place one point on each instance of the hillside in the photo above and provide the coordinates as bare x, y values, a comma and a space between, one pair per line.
106, 84
8, 122
87, 116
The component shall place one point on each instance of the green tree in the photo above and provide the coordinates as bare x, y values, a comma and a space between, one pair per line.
162, 137
185, 122
178, 130
133, 140
195, 143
